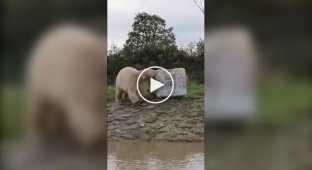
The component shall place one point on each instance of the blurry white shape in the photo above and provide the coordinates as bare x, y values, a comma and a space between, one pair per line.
229, 75
179, 77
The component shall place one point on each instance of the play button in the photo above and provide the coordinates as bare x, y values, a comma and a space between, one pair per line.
154, 85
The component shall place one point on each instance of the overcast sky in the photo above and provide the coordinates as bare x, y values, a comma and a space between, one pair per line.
183, 15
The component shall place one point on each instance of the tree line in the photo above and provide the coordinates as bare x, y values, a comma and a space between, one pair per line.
151, 43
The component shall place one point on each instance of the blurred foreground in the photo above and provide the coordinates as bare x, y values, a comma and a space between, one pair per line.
58, 117
258, 115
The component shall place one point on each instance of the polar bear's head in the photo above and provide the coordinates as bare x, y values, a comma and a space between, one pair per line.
150, 73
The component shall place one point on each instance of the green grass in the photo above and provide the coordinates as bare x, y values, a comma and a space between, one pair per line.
110, 94
284, 103
13, 112
280, 103
193, 90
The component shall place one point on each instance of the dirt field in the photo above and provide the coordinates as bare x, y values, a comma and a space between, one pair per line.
174, 120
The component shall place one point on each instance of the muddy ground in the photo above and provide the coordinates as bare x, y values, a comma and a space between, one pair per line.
177, 119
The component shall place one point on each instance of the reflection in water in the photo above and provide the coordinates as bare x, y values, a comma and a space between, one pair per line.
155, 155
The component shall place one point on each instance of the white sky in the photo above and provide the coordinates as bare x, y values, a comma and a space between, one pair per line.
183, 15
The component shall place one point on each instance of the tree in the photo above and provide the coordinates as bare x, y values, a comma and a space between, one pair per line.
149, 30
114, 50
200, 48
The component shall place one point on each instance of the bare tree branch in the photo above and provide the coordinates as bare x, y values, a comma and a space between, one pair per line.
200, 5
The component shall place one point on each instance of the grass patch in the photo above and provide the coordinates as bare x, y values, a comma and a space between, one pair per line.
13, 113
284, 103
193, 90
110, 94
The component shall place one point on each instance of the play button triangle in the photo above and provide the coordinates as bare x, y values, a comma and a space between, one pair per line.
154, 85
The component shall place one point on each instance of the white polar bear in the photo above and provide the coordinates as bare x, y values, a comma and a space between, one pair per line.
126, 83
